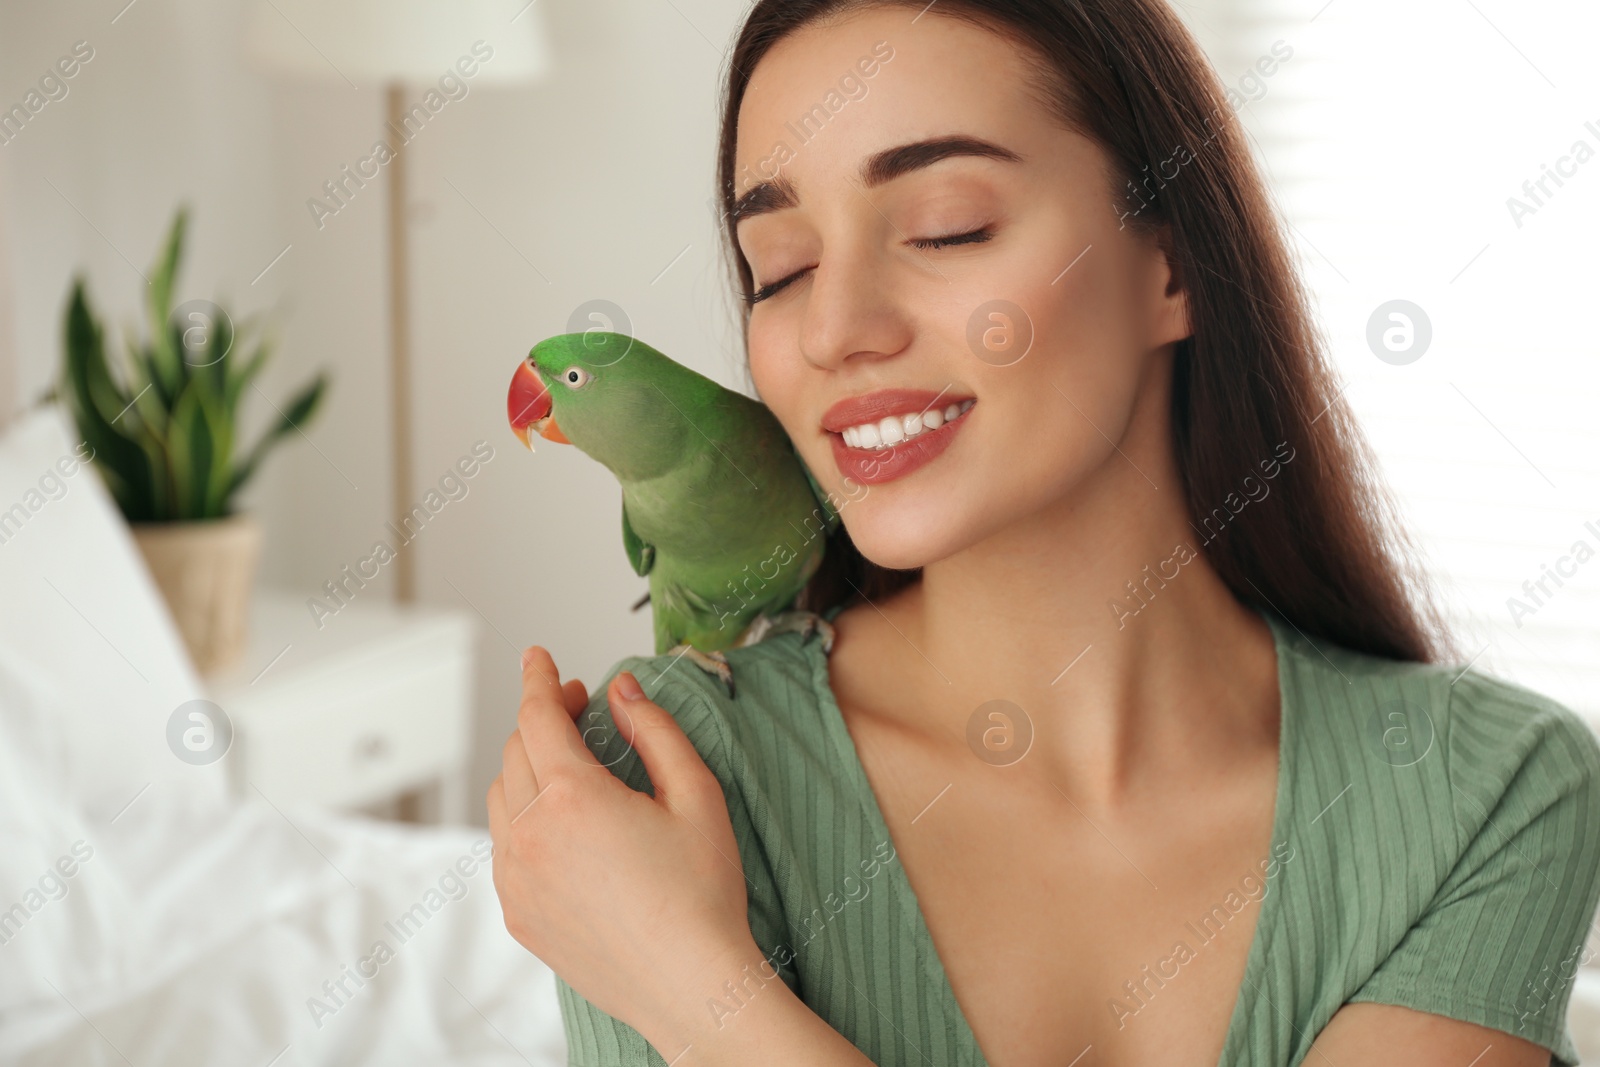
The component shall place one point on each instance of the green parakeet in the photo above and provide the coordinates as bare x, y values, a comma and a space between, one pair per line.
717, 508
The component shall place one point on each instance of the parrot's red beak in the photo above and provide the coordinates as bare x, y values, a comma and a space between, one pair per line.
529, 408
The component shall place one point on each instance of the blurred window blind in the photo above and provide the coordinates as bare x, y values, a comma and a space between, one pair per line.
1392, 139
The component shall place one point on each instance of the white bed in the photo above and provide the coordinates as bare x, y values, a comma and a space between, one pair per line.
195, 929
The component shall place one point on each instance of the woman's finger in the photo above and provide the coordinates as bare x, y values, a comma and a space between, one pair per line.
676, 770
500, 837
499, 822
548, 734
516, 774
576, 695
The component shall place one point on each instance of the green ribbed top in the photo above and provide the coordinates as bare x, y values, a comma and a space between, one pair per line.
1445, 829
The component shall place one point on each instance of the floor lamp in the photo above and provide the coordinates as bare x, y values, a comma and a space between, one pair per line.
412, 49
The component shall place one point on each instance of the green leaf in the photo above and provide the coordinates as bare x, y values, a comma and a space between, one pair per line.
188, 454
158, 504
219, 433
97, 404
299, 411
152, 404
240, 376
166, 358
219, 353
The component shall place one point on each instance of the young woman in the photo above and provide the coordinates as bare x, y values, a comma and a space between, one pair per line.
1136, 743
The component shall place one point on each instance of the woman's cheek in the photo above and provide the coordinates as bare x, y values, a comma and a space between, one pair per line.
774, 383
779, 382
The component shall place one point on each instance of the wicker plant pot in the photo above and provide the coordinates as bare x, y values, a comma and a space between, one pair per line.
205, 571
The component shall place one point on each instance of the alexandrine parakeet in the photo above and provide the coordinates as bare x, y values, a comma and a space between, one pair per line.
717, 508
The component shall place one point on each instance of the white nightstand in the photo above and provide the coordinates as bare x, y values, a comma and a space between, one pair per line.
367, 710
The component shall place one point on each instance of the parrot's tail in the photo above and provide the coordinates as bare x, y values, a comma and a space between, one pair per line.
641, 602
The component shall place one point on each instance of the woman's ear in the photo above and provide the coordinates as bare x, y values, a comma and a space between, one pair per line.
1171, 320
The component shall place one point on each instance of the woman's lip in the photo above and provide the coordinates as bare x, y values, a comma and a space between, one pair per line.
874, 466
874, 406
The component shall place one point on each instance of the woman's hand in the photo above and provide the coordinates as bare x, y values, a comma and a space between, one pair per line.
638, 903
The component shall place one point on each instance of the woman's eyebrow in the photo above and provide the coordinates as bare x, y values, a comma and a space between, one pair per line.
879, 168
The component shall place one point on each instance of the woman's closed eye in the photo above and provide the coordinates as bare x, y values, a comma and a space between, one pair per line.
972, 237
922, 243
773, 288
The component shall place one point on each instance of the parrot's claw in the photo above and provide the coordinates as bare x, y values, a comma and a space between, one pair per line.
805, 623
715, 663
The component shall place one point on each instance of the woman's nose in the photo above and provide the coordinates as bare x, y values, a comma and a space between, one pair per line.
852, 310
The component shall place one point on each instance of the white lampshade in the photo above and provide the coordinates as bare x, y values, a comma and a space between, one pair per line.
374, 42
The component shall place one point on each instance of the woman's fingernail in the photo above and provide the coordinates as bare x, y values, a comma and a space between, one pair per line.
628, 686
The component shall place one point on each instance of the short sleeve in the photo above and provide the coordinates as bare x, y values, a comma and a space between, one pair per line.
1501, 942
594, 1038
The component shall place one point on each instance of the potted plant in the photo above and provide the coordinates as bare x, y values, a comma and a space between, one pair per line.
165, 435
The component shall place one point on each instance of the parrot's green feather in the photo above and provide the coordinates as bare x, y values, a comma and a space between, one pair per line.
679, 605
828, 509
641, 554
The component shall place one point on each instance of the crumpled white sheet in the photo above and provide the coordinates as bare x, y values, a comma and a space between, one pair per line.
193, 937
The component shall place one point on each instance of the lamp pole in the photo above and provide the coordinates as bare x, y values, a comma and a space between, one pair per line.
400, 345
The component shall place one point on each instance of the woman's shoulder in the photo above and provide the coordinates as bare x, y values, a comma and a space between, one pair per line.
778, 705
1505, 737
1461, 813
1481, 736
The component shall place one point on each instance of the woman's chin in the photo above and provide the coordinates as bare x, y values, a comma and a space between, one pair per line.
903, 550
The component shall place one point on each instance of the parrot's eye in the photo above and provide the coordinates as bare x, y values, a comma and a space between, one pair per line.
576, 377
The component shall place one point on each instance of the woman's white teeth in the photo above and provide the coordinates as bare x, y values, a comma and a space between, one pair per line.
892, 429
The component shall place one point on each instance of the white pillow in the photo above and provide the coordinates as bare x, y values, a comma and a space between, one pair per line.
60, 904
81, 607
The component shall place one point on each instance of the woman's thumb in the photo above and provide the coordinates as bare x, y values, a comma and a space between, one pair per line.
676, 770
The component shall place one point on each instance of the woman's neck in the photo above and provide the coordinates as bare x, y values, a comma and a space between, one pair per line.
1102, 620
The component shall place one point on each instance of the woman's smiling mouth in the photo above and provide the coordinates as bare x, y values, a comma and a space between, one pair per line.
887, 434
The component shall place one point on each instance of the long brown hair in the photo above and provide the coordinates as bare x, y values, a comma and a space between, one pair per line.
1323, 549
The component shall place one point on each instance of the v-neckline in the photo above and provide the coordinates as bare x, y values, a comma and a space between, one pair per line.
1266, 922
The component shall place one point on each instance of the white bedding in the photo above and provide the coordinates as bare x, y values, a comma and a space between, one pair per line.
148, 919
226, 930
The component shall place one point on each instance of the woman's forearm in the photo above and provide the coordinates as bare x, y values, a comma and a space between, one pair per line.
742, 1012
